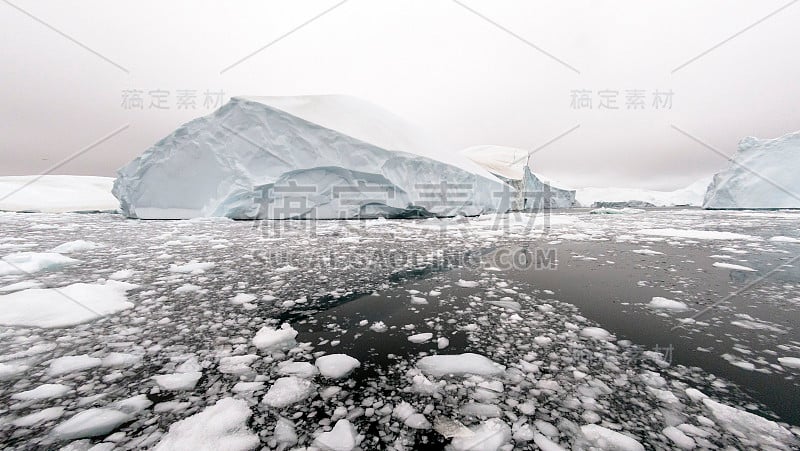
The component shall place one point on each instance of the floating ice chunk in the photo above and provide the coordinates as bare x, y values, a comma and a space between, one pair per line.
41, 416
243, 298
178, 381
378, 326
697, 234
72, 364
442, 342
784, 239
423, 385
287, 391
490, 435
483, 410
417, 421
667, 304
285, 433
459, 365
604, 438
695, 394
732, 266
506, 303
121, 274
65, 306
467, 283
545, 444
789, 362
596, 333
21, 286
75, 246
680, 439
10, 370
238, 364
271, 339
120, 359
193, 267
343, 437
299, 369
90, 423
418, 300
221, 426
542, 340
451, 428
132, 405
336, 366
31, 262
617, 211
647, 252
752, 430
246, 387
44, 391
420, 338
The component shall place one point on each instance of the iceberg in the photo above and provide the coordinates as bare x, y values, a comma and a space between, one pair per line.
56, 193
611, 197
511, 166
762, 174
309, 157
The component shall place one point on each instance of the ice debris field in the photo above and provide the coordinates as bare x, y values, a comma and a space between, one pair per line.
383, 334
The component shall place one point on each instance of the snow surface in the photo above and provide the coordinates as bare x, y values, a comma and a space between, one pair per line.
65, 306
253, 159
57, 193
218, 427
762, 174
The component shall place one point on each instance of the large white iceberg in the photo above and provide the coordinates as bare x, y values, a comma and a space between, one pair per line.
762, 174
321, 157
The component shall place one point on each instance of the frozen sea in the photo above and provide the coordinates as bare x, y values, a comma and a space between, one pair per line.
674, 328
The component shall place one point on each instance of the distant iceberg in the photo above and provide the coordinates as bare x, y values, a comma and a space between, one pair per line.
762, 174
510, 165
312, 157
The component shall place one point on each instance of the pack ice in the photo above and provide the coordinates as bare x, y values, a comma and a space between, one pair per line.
762, 174
323, 157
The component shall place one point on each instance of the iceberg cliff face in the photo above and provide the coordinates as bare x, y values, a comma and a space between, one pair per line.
252, 159
762, 174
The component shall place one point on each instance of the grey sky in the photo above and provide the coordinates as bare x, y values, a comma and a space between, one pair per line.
442, 67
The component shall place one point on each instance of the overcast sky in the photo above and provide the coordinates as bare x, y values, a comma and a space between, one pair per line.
470, 73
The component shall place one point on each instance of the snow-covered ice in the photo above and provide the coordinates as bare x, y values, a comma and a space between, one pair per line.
459, 365
667, 304
90, 423
217, 427
287, 391
31, 262
269, 338
64, 306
